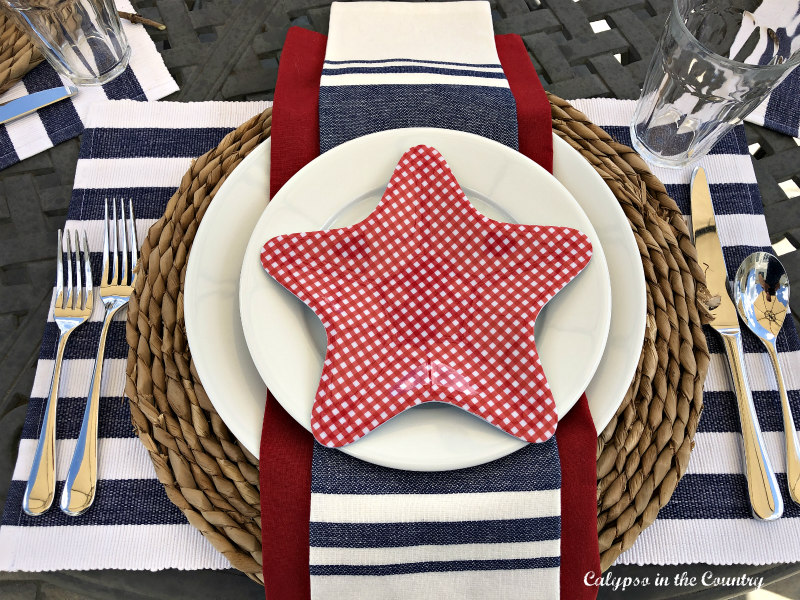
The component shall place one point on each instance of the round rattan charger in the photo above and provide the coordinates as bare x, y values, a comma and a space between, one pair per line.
18, 55
641, 454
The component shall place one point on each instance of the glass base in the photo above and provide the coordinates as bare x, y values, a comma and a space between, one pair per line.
654, 159
104, 78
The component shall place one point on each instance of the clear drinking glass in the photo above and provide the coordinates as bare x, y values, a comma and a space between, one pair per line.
715, 63
82, 39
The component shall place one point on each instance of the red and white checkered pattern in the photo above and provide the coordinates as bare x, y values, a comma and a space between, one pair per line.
427, 300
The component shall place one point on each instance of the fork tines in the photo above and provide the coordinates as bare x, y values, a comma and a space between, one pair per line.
118, 245
69, 296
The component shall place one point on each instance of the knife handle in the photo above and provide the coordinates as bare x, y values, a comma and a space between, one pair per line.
765, 498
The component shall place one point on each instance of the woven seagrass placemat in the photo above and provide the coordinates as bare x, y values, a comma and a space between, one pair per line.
642, 453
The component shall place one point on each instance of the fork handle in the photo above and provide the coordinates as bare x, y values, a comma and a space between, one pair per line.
81, 483
765, 497
41, 487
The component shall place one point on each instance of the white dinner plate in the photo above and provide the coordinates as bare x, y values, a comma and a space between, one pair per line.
211, 301
343, 186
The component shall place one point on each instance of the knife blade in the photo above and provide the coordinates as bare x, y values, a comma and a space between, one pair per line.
765, 497
19, 107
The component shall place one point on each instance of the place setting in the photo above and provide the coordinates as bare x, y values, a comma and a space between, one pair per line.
416, 327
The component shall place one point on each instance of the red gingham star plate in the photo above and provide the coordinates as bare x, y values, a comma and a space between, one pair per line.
287, 341
428, 300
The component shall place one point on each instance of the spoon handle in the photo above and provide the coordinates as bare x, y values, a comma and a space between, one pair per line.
762, 485
790, 431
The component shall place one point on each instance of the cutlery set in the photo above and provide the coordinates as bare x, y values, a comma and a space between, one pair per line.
73, 307
760, 277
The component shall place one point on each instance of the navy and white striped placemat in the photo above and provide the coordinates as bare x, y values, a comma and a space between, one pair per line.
137, 150
146, 78
708, 518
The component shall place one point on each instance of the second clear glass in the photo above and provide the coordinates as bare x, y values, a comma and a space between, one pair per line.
693, 96
82, 39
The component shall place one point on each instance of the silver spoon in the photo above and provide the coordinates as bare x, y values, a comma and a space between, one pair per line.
761, 294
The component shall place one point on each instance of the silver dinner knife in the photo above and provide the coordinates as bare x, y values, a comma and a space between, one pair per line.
19, 107
762, 485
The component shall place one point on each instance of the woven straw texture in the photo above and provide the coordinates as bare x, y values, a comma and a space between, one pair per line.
642, 453
18, 55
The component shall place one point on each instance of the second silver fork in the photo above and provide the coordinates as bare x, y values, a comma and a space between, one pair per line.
116, 286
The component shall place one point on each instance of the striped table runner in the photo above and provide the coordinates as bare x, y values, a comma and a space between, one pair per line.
137, 150
146, 78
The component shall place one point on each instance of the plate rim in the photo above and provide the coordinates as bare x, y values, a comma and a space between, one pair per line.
250, 438
205, 372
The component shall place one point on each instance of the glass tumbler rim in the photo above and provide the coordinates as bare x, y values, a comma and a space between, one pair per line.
793, 61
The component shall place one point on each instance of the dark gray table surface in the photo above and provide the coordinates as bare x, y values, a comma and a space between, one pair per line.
229, 50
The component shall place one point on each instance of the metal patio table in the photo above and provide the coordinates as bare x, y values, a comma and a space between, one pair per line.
229, 50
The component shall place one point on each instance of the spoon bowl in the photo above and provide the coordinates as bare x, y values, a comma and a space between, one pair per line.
761, 294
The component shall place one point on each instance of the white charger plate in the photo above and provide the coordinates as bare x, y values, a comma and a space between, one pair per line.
211, 301
342, 187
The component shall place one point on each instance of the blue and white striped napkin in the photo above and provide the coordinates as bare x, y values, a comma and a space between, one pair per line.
137, 150
708, 519
491, 531
401, 64
146, 78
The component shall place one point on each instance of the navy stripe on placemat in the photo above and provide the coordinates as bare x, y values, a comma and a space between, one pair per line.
125, 85
150, 142
117, 502
148, 202
721, 414
83, 341
60, 120
413, 60
787, 340
413, 69
337, 473
8, 155
444, 566
734, 142
395, 535
729, 198
719, 496
781, 114
115, 418
490, 113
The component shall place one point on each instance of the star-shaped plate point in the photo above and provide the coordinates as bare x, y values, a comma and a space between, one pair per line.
427, 300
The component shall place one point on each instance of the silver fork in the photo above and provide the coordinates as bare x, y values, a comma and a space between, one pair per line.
116, 286
72, 307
